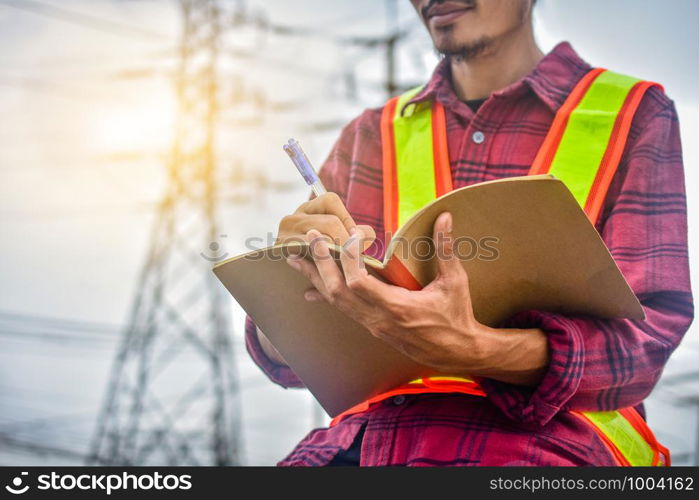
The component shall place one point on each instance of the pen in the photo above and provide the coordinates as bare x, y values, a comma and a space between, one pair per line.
303, 165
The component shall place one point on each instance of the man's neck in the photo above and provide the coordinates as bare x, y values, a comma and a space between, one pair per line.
505, 62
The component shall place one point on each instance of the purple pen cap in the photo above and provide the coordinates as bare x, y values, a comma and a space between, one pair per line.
303, 165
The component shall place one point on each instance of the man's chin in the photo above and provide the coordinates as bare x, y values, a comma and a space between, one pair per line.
466, 49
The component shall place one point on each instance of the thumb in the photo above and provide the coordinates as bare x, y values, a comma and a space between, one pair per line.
448, 264
368, 235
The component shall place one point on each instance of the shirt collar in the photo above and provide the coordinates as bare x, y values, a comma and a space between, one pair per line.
551, 80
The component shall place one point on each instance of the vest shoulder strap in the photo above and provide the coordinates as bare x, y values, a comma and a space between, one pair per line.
583, 146
415, 158
586, 140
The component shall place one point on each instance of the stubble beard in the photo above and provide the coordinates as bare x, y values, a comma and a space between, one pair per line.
465, 51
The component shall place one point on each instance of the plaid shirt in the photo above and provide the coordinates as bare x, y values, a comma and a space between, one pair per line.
596, 364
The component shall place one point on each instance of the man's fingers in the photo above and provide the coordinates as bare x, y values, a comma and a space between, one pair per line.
309, 270
296, 227
313, 295
328, 204
357, 278
368, 235
330, 274
328, 215
355, 285
448, 263
351, 257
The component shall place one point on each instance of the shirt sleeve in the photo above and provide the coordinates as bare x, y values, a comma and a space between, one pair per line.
334, 173
277, 373
606, 364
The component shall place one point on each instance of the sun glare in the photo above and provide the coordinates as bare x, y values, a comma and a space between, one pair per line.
141, 127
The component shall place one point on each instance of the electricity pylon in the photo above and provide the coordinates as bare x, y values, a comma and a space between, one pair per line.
172, 398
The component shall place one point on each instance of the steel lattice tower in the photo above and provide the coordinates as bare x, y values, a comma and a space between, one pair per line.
172, 398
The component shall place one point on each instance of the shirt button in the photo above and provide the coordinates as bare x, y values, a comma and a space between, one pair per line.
478, 137
399, 400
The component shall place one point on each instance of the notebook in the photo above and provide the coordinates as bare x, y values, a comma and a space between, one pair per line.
524, 242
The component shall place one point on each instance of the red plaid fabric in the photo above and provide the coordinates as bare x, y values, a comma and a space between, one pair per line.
595, 364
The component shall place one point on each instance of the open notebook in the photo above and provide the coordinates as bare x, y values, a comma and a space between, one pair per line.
534, 249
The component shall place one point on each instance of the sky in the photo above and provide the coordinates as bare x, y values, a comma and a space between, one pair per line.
87, 121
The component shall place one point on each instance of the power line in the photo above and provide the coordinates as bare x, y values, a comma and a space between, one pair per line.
40, 449
29, 327
72, 324
83, 20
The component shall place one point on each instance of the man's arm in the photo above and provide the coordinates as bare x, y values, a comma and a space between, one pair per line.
609, 364
327, 215
586, 363
278, 372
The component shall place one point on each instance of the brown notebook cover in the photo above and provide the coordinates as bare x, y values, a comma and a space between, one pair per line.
549, 257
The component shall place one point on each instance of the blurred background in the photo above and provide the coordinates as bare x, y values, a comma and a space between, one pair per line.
140, 141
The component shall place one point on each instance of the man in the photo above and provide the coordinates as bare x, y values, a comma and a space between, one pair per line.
500, 95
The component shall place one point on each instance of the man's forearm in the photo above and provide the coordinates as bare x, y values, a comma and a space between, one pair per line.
516, 356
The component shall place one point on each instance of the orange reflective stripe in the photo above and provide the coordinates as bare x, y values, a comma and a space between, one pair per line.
547, 151
442, 168
443, 385
388, 157
364, 405
451, 385
616, 453
615, 148
644, 430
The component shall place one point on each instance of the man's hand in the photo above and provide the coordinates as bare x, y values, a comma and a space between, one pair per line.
327, 215
434, 326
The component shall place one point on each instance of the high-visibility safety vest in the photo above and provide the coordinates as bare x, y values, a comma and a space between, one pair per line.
583, 148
